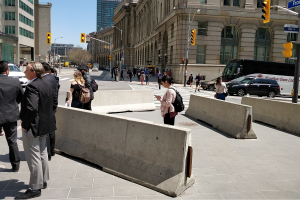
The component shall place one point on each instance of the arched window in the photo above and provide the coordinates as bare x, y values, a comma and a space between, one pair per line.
262, 44
229, 44
292, 37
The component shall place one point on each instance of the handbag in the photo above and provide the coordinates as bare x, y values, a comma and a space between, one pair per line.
84, 95
226, 93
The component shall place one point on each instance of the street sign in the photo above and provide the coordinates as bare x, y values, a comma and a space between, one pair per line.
87, 38
293, 4
291, 28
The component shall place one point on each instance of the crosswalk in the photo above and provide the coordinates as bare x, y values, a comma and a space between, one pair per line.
184, 92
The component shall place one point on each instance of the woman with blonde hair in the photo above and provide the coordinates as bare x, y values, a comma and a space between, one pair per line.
76, 84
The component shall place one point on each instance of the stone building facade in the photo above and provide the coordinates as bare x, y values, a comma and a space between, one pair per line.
226, 29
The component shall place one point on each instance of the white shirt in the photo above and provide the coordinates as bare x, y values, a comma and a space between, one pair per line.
221, 88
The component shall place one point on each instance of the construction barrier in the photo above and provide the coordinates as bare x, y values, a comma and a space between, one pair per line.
110, 101
230, 118
283, 115
153, 155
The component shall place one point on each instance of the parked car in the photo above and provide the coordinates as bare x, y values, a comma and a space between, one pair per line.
254, 86
95, 68
209, 85
15, 72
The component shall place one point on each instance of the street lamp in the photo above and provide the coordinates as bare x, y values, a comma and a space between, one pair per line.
188, 41
55, 43
121, 42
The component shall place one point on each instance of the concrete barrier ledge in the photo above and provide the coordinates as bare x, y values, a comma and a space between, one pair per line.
110, 101
230, 118
283, 115
147, 153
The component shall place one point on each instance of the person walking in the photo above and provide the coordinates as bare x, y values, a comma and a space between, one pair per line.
198, 79
134, 71
37, 121
115, 72
159, 80
139, 74
76, 85
221, 89
147, 79
88, 84
142, 78
170, 73
129, 74
122, 77
11, 94
190, 81
167, 108
117, 75
51, 79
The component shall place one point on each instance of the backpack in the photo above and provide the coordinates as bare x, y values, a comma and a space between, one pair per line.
178, 103
85, 95
94, 85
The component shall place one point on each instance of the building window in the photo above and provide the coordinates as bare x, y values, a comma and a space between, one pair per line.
10, 16
200, 59
202, 26
31, 1
229, 44
259, 3
26, 8
9, 3
10, 29
25, 20
203, 1
236, 3
226, 2
172, 30
26, 33
159, 37
262, 44
292, 37
171, 55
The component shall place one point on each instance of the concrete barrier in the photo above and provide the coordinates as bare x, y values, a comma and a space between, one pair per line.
149, 154
110, 101
283, 115
230, 118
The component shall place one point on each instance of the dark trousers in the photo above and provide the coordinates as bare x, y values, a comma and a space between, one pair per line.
10, 130
88, 105
76, 103
51, 144
122, 78
159, 84
130, 78
168, 120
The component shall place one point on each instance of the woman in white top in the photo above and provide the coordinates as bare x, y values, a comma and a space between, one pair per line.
220, 89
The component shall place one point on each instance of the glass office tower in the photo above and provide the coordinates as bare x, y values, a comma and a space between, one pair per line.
105, 12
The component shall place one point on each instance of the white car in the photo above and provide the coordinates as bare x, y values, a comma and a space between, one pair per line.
95, 69
15, 72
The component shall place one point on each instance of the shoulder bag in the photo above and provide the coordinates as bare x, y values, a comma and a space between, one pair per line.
84, 95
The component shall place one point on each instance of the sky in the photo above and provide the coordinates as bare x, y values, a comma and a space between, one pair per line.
70, 18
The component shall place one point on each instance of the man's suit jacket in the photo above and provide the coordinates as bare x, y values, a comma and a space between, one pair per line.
37, 108
49, 78
11, 94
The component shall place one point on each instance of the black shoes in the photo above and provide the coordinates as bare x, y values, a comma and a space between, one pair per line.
29, 194
15, 169
45, 185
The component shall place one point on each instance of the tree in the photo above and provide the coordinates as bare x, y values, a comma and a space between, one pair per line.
79, 56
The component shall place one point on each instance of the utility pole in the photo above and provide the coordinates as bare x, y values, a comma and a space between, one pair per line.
187, 49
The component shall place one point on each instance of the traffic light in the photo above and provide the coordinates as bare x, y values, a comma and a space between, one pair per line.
109, 57
193, 37
182, 61
48, 38
266, 10
166, 59
82, 37
288, 49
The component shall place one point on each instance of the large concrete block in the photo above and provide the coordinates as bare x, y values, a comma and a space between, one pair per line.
110, 101
230, 118
149, 154
283, 115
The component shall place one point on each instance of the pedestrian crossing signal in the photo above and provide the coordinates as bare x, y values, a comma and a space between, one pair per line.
48, 38
193, 37
266, 11
82, 37
288, 49
109, 57
182, 60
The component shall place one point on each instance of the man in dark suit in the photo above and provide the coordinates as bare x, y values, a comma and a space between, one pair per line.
37, 122
51, 79
11, 93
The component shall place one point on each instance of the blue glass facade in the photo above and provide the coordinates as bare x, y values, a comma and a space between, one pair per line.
105, 12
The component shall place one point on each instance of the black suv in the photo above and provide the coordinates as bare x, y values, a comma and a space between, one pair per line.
255, 86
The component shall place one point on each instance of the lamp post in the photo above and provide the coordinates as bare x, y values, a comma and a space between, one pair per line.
188, 41
121, 42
